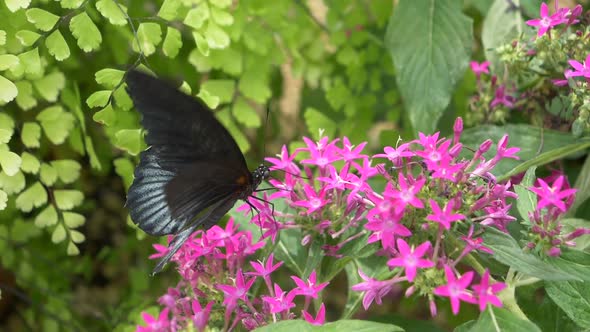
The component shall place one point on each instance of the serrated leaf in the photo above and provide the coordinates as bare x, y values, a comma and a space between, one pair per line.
49, 86
25, 99
149, 35
30, 135
216, 37
501, 25
14, 5
77, 237
430, 42
8, 90
254, 86
8, 61
109, 78
98, 99
2, 37
73, 220
221, 17
224, 116
106, 116
221, 3
184, 87
527, 200
245, 114
30, 163
57, 46
6, 128
122, 100
43, 20
59, 234
30, 61
9, 162
71, 4
172, 42
56, 123
573, 298
47, 174
5, 135
209, 99
196, 17
34, 196
26, 37
68, 171
224, 89
72, 249
111, 11
202, 44
169, 9
85, 32
316, 120
12, 184
3, 200
47, 217
129, 140
68, 199
124, 168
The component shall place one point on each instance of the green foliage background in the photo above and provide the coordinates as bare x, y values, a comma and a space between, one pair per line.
69, 137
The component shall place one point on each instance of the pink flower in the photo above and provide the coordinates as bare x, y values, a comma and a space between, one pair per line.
411, 258
501, 98
486, 293
200, 315
552, 195
580, 69
284, 161
320, 317
546, 22
237, 292
480, 68
374, 289
443, 217
155, 325
456, 289
281, 301
309, 287
406, 195
313, 201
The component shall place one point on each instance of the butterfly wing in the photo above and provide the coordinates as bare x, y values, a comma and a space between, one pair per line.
192, 161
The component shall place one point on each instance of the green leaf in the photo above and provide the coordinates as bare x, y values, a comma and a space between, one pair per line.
73, 220
30, 163
68, 199
129, 140
68, 171
77, 237
6, 122
124, 168
202, 44
25, 99
47, 217
216, 37
30, 61
196, 17
211, 101
573, 298
122, 100
71, 4
3, 200
109, 78
50, 85
72, 249
47, 174
317, 121
5, 135
85, 32
245, 114
34, 196
26, 37
583, 186
225, 118
430, 42
111, 11
14, 5
224, 89
12, 184
8, 61
501, 25
2, 37
149, 35
172, 43
169, 9
221, 17
499, 319
254, 86
10, 162
99, 98
43, 20
30, 135
106, 116
59, 234
56, 123
8, 90
337, 326
221, 3
57, 46
527, 200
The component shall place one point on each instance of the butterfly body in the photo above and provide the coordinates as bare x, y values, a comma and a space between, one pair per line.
193, 171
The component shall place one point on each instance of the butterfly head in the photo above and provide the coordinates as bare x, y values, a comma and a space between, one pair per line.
260, 173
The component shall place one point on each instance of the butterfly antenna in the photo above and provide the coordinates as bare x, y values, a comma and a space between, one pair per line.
264, 131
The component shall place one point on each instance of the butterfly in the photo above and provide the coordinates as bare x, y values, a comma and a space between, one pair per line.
192, 172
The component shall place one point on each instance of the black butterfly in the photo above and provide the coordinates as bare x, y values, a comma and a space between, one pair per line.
193, 171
